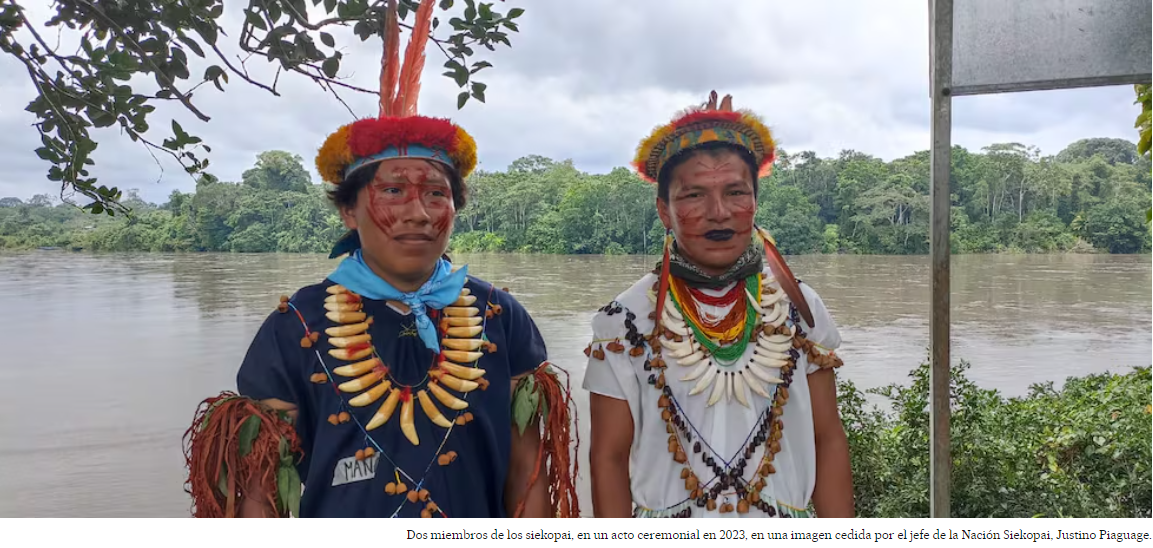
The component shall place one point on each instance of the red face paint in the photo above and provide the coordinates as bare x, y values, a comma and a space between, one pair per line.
711, 198
419, 194
406, 216
743, 213
442, 219
380, 213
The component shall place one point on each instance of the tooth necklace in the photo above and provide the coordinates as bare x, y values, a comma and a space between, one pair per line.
371, 380
772, 362
462, 327
715, 368
780, 342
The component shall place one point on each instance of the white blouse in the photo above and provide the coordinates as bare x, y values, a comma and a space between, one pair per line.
726, 426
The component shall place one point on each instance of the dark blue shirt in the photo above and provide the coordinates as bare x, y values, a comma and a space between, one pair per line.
336, 483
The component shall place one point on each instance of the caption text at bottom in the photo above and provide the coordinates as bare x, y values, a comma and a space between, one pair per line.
905, 535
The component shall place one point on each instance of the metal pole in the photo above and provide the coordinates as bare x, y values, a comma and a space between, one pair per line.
941, 30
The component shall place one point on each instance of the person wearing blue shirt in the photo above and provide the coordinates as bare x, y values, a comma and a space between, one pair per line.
399, 385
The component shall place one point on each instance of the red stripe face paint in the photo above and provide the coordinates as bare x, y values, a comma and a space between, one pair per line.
405, 217
712, 209
421, 194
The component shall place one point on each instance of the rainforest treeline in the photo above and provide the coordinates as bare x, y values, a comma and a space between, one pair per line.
1093, 196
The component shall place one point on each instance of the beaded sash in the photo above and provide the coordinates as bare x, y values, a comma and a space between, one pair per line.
776, 509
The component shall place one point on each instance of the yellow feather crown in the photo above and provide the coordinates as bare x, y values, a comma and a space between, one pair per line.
704, 124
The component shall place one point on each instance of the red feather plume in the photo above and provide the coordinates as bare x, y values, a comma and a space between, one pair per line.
788, 282
371, 135
405, 102
390, 60
663, 285
703, 115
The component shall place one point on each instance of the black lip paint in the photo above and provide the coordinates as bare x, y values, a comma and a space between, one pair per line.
720, 235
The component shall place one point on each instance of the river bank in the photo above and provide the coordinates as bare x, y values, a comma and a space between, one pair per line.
1083, 450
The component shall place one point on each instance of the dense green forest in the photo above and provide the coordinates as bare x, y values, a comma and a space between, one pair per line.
1091, 196
1081, 450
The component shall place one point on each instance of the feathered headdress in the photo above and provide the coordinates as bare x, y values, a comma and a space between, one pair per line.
705, 124
719, 123
398, 131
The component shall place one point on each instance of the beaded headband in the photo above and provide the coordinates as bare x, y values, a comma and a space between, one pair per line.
373, 140
398, 132
708, 123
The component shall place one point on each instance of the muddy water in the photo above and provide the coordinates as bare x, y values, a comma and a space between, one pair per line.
106, 356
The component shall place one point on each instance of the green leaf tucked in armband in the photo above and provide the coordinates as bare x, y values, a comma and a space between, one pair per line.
525, 403
249, 429
288, 484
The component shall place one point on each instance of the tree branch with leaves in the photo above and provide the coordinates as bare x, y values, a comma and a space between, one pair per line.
122, 39
1144, 98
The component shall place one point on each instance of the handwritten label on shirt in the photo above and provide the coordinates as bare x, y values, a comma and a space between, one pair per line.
350, 470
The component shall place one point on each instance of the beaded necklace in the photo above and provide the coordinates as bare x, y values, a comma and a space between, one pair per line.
711, 339
729, 474
461, 327
724, 330
780, 340
730, 297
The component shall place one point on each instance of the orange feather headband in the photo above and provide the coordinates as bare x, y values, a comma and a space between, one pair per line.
398, 132
369, 141
705, 124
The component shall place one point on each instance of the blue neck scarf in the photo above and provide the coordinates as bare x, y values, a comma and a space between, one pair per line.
441, 290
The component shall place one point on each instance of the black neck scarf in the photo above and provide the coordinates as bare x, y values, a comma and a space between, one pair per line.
750, 262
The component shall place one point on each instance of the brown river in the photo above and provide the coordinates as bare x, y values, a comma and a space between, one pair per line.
106, 356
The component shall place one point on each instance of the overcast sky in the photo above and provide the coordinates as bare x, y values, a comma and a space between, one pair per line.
588, 80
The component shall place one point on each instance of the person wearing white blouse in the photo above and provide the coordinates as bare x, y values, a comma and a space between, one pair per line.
712, 391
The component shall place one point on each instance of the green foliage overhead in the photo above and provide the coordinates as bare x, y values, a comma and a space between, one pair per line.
1081, 451
1144, 98
134, 54
1143, 125
1006, 198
